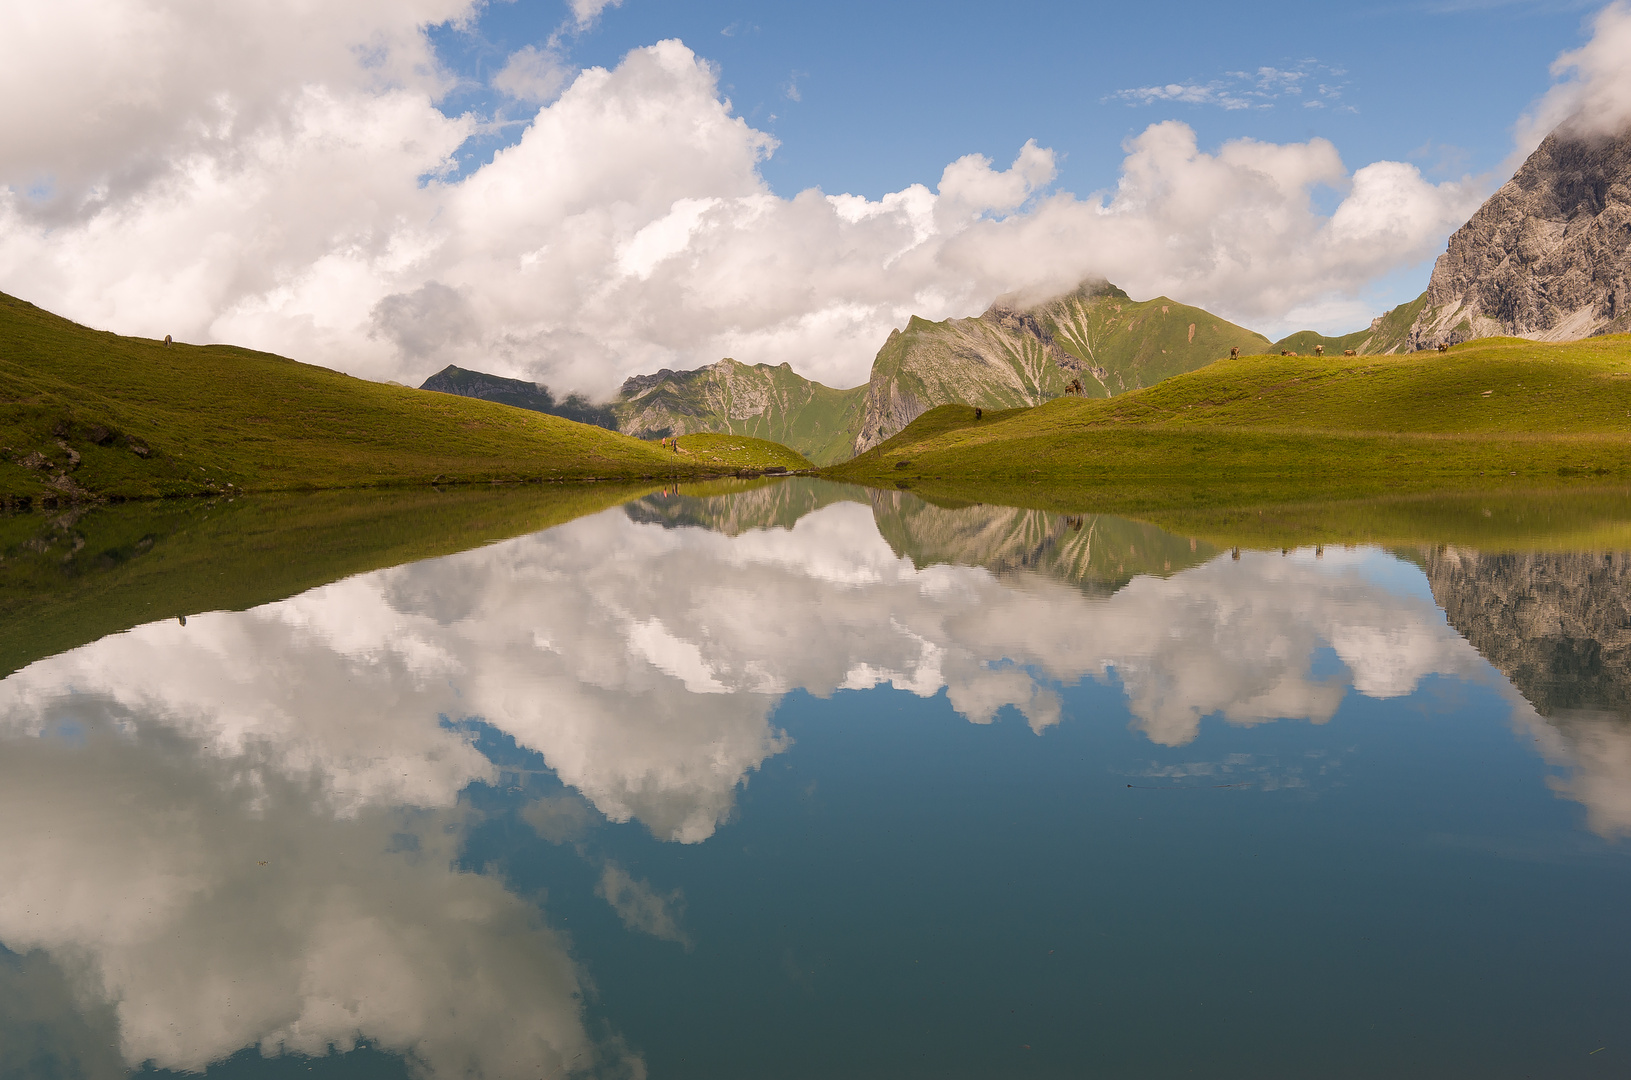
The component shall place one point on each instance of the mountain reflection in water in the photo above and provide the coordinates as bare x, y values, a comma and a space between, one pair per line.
251, 830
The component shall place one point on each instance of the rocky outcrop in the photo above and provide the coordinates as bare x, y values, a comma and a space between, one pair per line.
1548, 257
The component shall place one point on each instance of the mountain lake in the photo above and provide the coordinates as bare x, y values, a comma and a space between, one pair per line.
799, 780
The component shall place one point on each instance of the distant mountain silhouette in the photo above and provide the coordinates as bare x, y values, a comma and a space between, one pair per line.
521, 394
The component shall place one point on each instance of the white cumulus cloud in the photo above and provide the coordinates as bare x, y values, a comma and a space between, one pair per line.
279, 175
1594, 91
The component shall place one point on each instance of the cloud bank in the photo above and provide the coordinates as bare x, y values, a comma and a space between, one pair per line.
1594, 94
279, 175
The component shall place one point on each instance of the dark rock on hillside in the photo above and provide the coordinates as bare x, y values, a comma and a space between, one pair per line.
1548, 256
519, 393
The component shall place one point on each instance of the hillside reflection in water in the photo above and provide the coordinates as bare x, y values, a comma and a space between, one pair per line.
556, 806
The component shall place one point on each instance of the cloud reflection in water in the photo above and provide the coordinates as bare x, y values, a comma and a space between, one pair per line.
261, 809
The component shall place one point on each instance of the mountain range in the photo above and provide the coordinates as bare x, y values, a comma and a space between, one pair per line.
1548, 257
1095, 336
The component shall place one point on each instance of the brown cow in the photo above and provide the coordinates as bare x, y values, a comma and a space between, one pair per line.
1444, 347
1234, 353
1319, 350
1349, 352
1287, 352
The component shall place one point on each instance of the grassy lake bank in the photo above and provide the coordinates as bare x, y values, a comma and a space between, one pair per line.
87, 415
1489, 415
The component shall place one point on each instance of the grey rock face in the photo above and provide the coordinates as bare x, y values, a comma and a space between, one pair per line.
1558, 626
1548, 257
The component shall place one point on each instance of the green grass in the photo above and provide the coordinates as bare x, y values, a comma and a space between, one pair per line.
71, 578
146, 420
716, 451
1270, 429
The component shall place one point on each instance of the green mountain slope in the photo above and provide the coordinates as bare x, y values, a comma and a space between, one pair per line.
1388, 333
1009, 357
1494, 409
760, 401
87, 414
1013, 357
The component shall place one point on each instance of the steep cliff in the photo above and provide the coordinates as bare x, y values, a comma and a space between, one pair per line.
1548, 256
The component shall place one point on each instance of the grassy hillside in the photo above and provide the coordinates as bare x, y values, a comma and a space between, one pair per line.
1390, 333
1304, 342
758, 400
1125, 344
85, 412
1269, 428
719, 452
71, 578
1012, 357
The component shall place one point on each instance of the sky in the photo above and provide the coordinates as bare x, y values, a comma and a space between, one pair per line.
575, 192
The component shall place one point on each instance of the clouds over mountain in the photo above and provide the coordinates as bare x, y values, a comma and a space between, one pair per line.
280, 175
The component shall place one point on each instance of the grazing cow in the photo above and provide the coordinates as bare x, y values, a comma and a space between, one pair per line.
1319, 350
1444, 347
1234, 353
1287, 352
166, 341
1349, 352
978, 412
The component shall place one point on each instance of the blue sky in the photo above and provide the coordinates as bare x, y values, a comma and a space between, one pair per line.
868, 98
575, 193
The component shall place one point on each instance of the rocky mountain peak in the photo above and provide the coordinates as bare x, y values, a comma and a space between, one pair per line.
1548, 257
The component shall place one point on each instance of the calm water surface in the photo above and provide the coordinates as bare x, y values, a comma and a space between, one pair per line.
814, 782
